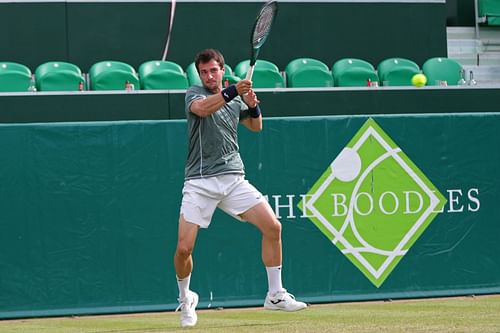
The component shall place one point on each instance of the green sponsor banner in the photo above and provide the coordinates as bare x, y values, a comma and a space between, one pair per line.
392, 206
373, 202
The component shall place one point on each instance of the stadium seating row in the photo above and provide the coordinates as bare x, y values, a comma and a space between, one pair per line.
299, 73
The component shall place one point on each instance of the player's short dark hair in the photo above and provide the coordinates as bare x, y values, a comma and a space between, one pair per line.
208, 55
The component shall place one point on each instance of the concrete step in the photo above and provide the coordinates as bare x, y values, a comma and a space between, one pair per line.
460, 33
465, 46
464, 40
477, 53
476, 59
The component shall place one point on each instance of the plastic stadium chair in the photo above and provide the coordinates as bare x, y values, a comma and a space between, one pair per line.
157, 74
266, 78
353, 72
266, 74
308, 72
299, 63
439, 69
59, 76
14, 77
192, 74
112, 75
397, 71
229, 76
241, 68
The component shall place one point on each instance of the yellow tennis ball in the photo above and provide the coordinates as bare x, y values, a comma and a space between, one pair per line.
419, 80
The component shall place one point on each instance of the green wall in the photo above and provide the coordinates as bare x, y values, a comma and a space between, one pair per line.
158, 105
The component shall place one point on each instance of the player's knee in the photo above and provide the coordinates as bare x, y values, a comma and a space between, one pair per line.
274, 229
183, 250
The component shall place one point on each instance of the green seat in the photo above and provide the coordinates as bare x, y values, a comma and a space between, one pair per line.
59, 76
112, 75
397, 71
308, 72
14, 77
353, 72
230, 79
266, 74
157, 74
228, 71
229, 76
266, 78
490, 11
346, 63
192, 75
241, 68
442, 69
300, 63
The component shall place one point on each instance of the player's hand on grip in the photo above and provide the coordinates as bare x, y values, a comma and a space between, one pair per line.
251, 99
243, 87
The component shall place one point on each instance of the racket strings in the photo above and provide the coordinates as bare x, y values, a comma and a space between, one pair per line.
263, 25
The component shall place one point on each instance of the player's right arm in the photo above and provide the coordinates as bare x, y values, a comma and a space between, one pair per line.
203, 107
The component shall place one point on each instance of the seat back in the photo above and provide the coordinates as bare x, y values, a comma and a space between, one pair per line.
441, 69
310, 77
353, 72
112, 75
308, 72
267, 78
14, 77
241, 68
157, 74
397, 71
345, 63
192, 75
299, 63
151, 66
229, 76
356, 77
59, 76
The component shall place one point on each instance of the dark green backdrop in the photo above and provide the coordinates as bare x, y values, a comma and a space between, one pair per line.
134, 32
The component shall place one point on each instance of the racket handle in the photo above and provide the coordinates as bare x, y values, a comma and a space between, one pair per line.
249, 73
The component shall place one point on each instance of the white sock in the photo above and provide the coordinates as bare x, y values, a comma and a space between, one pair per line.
183, 286
274, 279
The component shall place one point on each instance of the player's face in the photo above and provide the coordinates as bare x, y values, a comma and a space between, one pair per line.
211, 75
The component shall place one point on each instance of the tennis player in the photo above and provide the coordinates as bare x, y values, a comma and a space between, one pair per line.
215, 177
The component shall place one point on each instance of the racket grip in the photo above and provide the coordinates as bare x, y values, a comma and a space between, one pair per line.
249, 73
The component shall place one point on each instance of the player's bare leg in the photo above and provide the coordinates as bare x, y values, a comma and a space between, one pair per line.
183, 262
263, 217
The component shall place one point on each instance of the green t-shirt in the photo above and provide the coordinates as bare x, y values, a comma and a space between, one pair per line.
213, 140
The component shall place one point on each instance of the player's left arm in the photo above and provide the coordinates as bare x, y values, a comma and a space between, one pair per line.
254, 121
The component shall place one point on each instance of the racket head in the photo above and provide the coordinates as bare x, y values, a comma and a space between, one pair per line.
262, 27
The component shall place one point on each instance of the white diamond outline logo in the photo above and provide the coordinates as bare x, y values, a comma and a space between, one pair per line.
398, 252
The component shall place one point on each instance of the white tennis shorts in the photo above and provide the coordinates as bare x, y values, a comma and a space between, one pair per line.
232, 193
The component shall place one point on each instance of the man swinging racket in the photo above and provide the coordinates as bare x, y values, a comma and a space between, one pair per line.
214, 177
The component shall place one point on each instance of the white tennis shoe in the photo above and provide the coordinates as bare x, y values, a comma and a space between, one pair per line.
187, 305
284, 301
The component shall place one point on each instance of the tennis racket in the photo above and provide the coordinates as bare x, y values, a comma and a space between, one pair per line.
260, 32
171, 24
